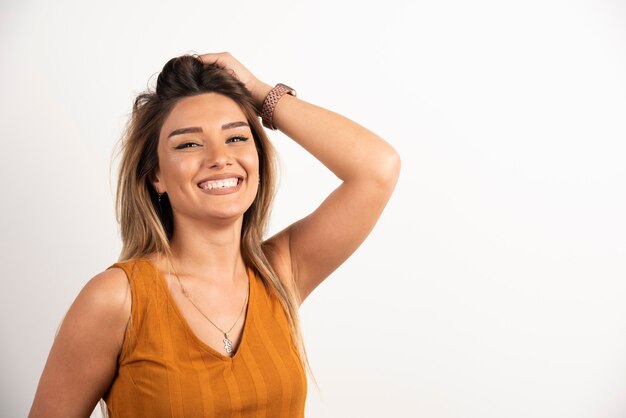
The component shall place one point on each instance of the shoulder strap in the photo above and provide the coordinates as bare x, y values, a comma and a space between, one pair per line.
144, 294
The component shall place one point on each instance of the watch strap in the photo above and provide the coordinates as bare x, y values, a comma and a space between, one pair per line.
270, 102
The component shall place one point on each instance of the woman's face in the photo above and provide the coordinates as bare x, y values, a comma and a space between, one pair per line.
208, 163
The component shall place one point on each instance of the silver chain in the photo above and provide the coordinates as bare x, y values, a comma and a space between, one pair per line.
227, 341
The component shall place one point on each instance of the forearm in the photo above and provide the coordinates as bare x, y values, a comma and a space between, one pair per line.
350, 151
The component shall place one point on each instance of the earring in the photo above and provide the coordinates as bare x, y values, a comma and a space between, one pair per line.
160, 194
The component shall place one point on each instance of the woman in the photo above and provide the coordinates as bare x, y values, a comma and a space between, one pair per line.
199, 317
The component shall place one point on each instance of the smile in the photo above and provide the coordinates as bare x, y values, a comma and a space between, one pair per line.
221, 186
218, 184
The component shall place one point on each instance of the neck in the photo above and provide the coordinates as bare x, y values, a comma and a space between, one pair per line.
207, 251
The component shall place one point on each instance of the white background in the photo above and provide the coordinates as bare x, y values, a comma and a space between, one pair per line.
494, 284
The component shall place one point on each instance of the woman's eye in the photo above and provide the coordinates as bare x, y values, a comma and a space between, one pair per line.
193, 144
240, 138
185, 145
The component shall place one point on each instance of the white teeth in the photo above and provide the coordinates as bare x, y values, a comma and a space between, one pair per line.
220, 184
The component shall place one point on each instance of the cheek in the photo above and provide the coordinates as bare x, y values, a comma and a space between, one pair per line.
179, 165
251, 162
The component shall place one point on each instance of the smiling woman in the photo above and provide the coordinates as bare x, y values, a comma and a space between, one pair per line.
204, 134
199, 316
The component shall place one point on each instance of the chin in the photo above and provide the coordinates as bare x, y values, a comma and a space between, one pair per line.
225, 215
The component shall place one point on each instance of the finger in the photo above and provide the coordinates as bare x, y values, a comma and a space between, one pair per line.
211, 57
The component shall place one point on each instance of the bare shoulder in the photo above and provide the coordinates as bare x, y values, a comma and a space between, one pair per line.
110, 288
106, 300
83, 359
106, 295
276, 249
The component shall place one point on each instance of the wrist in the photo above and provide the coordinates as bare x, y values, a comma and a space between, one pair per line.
271, 101
259, 94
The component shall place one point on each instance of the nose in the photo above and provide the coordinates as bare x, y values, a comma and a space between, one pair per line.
218, 156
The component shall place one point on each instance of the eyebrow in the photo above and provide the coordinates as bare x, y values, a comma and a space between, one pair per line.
196, 129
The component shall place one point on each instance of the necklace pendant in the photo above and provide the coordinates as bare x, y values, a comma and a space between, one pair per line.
228, 344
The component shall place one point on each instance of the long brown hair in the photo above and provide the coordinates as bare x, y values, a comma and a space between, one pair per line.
147, 225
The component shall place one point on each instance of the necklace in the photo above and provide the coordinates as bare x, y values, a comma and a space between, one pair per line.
228, 344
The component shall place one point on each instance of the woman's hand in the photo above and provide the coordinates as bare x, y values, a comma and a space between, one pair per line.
257, 88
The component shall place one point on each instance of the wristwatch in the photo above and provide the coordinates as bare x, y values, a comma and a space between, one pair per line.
269, 104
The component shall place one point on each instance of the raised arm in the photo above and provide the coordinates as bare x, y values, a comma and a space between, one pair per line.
316, 245
369, 168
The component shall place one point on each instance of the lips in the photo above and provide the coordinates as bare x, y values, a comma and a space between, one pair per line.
222, 177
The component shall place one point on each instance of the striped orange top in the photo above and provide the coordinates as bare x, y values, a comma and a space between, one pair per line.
165, 370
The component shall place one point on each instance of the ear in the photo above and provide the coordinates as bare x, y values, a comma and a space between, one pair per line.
154, 179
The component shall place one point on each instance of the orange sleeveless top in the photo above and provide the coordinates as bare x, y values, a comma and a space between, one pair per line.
165, 370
